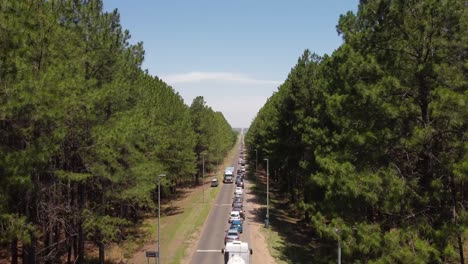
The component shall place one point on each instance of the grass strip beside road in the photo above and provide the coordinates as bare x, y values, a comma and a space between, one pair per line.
180, 232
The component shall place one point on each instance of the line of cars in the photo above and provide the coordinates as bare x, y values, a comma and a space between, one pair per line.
236, 251
237, 215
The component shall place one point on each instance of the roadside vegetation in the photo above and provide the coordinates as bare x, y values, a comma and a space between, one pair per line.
85, 132
369, 144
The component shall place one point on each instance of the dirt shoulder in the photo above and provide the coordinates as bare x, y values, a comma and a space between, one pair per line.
256, 215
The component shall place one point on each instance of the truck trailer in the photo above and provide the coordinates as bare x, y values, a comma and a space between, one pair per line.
237, 252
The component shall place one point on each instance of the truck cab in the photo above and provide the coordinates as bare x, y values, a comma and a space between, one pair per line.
228, 175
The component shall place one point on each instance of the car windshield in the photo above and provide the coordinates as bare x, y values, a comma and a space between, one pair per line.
234, 214
236, 222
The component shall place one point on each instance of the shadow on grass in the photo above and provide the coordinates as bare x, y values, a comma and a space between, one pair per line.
297, 243
173, 210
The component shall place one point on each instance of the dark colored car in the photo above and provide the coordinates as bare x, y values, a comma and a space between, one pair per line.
237, 200
240, 184
237, 204
237, 224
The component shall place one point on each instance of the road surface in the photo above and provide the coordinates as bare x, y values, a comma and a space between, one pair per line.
211, 240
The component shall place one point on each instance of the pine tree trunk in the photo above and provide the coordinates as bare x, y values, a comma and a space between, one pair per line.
101, 253
69, 249
81, 236
80, 244
14, 251
460, 249
29, 250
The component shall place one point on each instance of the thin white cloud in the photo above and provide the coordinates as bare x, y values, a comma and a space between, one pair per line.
197, 77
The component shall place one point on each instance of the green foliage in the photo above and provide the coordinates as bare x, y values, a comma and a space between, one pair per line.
14, 227
84, 131
372, 139
103, 229
215, 136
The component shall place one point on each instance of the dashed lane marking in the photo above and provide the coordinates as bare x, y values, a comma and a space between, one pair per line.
209, 250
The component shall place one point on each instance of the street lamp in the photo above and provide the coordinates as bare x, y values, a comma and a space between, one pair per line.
256, 158
268, 192
203, 178
338, 231
159, 213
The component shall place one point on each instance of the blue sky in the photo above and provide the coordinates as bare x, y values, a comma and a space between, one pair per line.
233, 53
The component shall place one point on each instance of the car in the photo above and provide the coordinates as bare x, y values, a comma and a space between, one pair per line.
239, 190
237, 224
238, 209
238, 204
234, 215
231, 235
237, 200
238, 195
214, 183
240, 184
241, 212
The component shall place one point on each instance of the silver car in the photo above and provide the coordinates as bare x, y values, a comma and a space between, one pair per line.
214, 183
231, 235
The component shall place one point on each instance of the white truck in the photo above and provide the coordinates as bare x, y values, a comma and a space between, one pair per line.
237, 252
228, 175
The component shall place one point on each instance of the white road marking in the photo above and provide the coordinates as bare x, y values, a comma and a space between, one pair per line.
209, 250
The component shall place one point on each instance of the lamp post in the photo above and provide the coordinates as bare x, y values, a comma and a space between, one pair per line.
203, 178
268, 193
256, 158
338, 231
159, 214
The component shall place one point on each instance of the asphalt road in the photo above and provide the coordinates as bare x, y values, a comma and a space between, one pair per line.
211, 240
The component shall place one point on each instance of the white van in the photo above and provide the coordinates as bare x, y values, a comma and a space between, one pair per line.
214, 182
237, 252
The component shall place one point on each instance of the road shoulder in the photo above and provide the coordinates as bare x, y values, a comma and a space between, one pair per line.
256, 215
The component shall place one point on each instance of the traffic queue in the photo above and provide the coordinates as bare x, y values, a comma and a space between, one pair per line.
236, 251
237, 214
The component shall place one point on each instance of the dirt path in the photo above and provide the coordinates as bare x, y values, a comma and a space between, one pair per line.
256, 215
